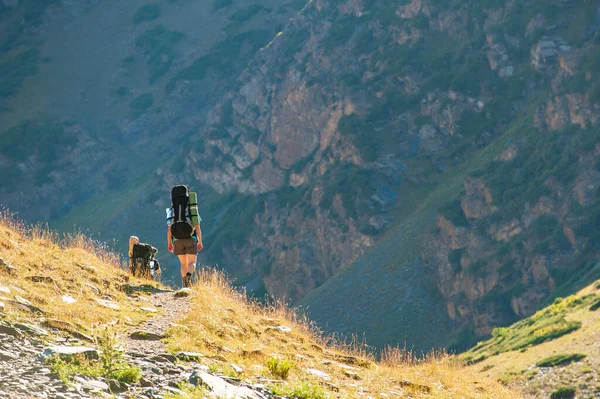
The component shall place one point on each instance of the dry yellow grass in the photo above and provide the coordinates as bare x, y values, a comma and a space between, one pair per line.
62, 276
234, 333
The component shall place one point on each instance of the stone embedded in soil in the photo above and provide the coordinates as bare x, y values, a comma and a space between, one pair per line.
31, 329
6, 356
319, 374
220, 387
40, 279
107, 304
145, 336
7, 267
70, 351
6, 328
68, 299
189, 356
91, 385
92, 287
4, 289
182, 293
151, 310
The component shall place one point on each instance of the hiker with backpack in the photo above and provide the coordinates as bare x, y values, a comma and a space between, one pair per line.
184, 237
141, 259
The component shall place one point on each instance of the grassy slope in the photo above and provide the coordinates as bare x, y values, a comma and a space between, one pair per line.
396, 258
72, 264
260, 341
222, 325
518, 367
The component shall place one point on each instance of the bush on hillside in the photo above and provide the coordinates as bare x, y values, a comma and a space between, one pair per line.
560, 360
159, 47
141, 103
563, 393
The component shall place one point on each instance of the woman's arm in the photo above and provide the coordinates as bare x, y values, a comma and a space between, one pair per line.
169, 239
199, 236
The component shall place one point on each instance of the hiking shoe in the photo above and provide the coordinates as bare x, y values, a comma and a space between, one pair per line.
187, 280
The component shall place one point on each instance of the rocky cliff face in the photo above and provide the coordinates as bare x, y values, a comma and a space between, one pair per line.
470, 126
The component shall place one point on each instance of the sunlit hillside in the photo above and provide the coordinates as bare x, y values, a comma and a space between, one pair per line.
554, 352
74, 287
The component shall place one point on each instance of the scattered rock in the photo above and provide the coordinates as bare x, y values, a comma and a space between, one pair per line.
182, 293
117, 386
174, 391
69, 351
145, 383
151, 310
220, 387
91, 385
6, 267
6, 328
41, 279
319, 374
412, 385
4, 290
146, 336
164, 358
236, 368
24, 304
280, 328
189, 356
30, 329
92, 287
352, 374
68, 299
6, 356
107, 304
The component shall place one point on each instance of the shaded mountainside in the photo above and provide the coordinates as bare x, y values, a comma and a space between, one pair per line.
383, 163
468, 127
96, 98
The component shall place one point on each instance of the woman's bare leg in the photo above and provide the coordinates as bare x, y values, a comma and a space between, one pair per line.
191, 264
183, 260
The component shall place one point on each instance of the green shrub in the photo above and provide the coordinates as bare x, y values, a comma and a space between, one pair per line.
159, 47
147, 12
279, 368
595, 305
563, 393
454, 258
109, 365
560, 360
225, 58
454, 213
49, 141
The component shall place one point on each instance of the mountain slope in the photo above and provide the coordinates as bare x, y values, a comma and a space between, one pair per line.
537, 353
67, 297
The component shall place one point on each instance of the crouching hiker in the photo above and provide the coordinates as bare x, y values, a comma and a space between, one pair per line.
184, 237
141, 259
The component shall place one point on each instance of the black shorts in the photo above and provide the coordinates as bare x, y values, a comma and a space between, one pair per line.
185, 246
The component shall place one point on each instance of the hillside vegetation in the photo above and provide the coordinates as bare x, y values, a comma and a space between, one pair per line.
231, 336
556, 348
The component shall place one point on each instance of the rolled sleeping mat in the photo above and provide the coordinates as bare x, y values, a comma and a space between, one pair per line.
193, 203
